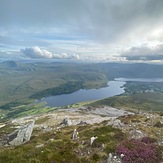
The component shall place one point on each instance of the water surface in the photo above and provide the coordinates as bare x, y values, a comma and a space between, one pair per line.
113, 88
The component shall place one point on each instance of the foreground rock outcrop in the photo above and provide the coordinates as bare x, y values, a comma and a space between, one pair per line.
82, 135
19, 136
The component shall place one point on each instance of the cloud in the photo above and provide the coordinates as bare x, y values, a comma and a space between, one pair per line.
104, 20
72, 25
144, 52
10, 54
36, 52
3, 54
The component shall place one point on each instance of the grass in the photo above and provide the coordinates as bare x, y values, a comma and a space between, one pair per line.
41, 120
20, 82
59, 147
144, 101
25, 110
62, 148
7, 129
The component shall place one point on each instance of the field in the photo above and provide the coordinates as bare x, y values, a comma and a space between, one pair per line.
147, 96
23, 83
19, 81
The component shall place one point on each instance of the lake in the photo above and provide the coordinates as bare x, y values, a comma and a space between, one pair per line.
113, 88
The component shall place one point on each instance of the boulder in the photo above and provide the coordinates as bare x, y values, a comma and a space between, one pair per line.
159, 124
75, 135
82, 123
21, 135
115, 123
39, 146
136, 134
114, 158
93, 139
66, 122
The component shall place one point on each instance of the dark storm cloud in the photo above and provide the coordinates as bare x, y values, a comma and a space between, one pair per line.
110, 23
101, 19
39, 12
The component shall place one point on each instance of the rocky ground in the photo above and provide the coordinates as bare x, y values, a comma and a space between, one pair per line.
127, 121
87, 115
91, 118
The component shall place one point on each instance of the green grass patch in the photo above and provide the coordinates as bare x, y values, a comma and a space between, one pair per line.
41, 120
145, 101
63, 148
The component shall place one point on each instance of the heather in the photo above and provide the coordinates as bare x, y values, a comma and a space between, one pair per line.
139, 151
59, 139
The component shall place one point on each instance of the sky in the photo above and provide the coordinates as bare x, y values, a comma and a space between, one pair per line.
109, 30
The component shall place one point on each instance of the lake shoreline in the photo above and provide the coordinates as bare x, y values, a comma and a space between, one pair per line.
83, 95
114, 88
